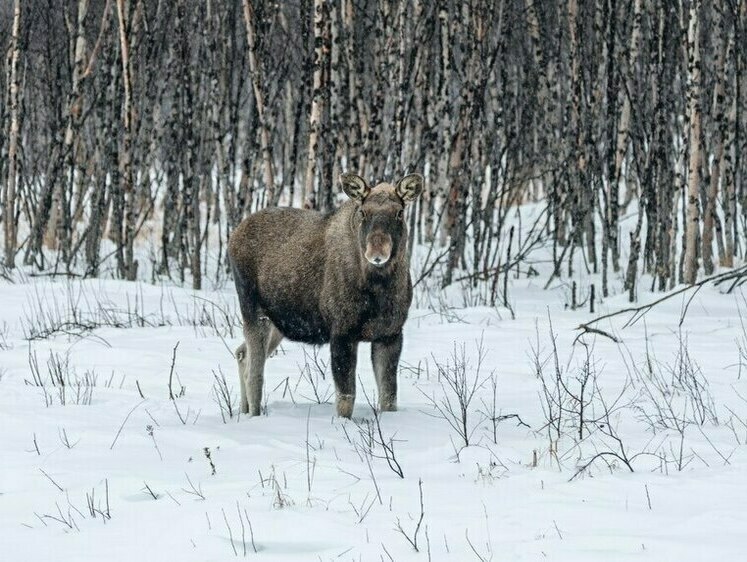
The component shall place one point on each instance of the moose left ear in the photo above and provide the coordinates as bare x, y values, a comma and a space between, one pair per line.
410, 187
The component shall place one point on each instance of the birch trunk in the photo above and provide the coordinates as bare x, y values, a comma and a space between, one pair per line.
729, 204
328, 149
129, 271
690, 265
444, 111
255, 68
317, 104
399, 110
623, 134
357, 126
730, 193
59, 228
9, 209
711, 221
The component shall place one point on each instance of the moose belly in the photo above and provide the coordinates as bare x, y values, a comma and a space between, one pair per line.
379, 328
382, 321
298, 324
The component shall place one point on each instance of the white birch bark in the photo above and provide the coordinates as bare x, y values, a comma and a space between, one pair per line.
256, 72
9, 210
690, 266
125, 162
315, 117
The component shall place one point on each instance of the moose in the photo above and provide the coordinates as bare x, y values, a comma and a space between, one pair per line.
340, 278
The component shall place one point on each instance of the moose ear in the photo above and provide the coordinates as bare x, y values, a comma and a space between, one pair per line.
354, 186
410, 187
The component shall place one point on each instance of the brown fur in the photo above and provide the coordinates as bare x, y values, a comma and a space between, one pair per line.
314, 278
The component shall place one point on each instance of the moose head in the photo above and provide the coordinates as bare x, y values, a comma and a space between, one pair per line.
379, 215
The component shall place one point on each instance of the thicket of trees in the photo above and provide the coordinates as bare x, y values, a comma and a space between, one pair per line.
193, 113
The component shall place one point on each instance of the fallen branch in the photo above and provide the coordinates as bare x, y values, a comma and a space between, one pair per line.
638, 312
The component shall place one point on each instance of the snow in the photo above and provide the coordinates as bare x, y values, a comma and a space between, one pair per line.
302, 478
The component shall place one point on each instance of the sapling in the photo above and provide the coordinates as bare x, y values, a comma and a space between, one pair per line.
459, 383
412, 538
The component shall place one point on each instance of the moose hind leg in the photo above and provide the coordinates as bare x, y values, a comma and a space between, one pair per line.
256, 336
240, 355
261, 338
344, 356
274, 338
385, 358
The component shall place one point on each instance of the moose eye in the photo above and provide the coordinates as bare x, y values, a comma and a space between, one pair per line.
361, 214
400, 214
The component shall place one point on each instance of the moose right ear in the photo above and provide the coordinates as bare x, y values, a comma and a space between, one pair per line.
354, 186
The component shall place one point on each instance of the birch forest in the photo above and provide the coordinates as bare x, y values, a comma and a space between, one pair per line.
129, 124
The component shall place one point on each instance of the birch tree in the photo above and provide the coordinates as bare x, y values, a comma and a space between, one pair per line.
317, 104
14, 128
255, 69
692, 226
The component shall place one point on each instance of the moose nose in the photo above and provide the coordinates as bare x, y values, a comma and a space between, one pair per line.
377, 260
378, 248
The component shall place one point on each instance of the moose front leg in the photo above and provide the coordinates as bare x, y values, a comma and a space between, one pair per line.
385, 358
344, 354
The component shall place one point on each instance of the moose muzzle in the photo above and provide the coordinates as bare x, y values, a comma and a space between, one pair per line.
378, 248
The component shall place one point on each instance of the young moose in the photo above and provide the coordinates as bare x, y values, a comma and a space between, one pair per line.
338, 278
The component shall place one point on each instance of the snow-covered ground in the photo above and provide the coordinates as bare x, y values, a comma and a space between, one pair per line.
122, 472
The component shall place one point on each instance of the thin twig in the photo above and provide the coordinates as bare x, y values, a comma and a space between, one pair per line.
230, 534
121, 427
171, 370
414, 540
60, 488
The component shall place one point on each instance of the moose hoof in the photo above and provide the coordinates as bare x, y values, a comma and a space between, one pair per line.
254, 411
344, 405
388, 404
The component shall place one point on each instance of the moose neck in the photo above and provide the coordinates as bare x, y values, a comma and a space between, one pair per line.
381, 275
